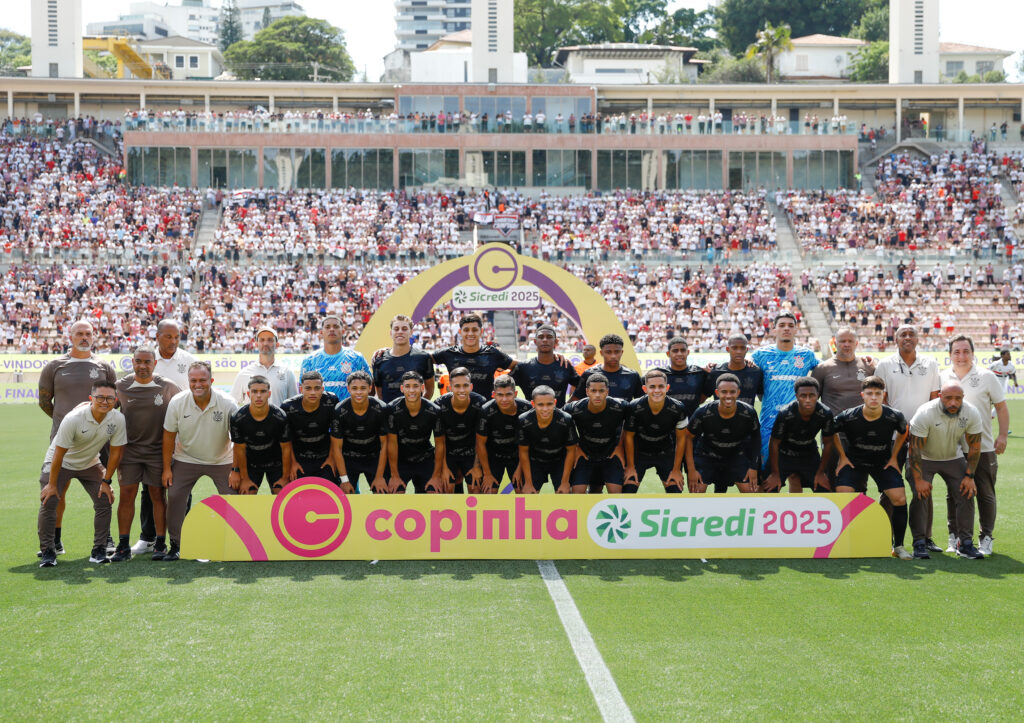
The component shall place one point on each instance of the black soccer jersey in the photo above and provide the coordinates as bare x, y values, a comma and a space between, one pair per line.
459, 430
868, 443
599, 432
687, 386
311, 431
550, 443
654, 435
798, 436
360, 433
388, 371
500, 429
623, 383
751, 381
413, 433
727, 439
263, 438
532, 374
481, 364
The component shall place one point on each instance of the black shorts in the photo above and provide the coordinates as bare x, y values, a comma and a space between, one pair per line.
662, 464
886, 478
317, 468
596, 473
272, 473
501, 466
417, 474
806, 469
542, 471
722, 473
365, 466
460, 464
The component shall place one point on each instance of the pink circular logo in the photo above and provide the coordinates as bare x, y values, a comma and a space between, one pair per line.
311, 517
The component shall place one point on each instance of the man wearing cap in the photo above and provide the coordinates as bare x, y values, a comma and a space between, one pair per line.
281, 378
333, 361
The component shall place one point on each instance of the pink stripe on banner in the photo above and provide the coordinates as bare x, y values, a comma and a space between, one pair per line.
850, 512
238, 524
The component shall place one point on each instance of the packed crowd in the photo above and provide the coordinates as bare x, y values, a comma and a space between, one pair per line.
60, 129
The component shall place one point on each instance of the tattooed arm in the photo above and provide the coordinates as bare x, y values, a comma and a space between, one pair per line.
967, 487
923, 489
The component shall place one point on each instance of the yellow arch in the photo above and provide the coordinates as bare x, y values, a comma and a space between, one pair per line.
417, 296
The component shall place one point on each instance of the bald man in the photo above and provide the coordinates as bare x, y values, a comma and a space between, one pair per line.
172, 362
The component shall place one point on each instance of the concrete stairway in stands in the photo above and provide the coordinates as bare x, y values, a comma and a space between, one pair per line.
506, 332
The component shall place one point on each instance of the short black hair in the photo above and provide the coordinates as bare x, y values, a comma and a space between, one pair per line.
311, 376
359, 376
542, 390
459, 372
785, 315
258, 379
504, 382
727, 378
597, 378
471, 319
655, 373
412, 375
802, 382
101, 384
610, 339
961, 337
677, 340
873, 382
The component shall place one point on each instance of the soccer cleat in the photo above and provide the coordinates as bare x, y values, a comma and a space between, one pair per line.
121, 554
932, 547
172, 554
985, 547
921, 550
111, 545
901, 552
142, 547
952, 542
968, 551
99, 555
48, 558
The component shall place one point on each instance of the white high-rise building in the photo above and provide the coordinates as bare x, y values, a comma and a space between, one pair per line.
194, 19
56, 38
421, 23
251, 12
493, 35
913, 41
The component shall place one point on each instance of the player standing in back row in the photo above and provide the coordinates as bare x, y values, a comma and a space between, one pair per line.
623, 383
393, 363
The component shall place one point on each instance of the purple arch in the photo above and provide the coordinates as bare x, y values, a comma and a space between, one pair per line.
554, 292
442, 287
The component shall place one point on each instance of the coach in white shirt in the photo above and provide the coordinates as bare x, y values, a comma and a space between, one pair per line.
172, 362
983, 390
282, 379
197, 443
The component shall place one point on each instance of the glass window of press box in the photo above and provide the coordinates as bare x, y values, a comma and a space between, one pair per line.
427, 165
492, 106
227, 168
427, 104
823, 169
551, 107
362, 168
159, 166
693, 169
294, 168
561, 168
626, 169
500, 168
753, 169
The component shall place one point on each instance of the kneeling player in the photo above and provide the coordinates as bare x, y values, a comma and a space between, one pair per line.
497, 452
411, 456
359, 436
309, 421
599, 454
655, 436
869, 431
547, 443
723, 442
460, 411
793, 451
262, 441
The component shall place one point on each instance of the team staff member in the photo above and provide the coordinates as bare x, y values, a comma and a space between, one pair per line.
389, 367
497, 450
261, 439
333, 362
460, 412
310, 415
793, 451
144, 398
911, 381
937, 431
359, 436
482, 361
623, 383
686, 382
982, 390
74, 454
545, 369
654, 436
280, 377
750, 375
600, 457
411, 457
723, 442
65, 383
196, 443
841, 376
589, 359
547, 443
172, 362
868, 439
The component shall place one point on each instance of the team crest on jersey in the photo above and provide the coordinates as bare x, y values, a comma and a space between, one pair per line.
218, 416
111, 428
181, 369
798, 363
94, 373
280, 376
974, 382
346, 367
921, 371
158, 400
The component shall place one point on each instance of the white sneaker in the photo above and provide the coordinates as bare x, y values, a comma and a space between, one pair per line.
142, 547
952, 543
985, 547
901, 552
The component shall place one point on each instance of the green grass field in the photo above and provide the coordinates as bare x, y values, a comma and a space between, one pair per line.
753, 640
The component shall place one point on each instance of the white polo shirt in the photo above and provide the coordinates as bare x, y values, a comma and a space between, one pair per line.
282, 382
83, 437
908, 387
983, 390
175, 368
203, 434
944, 434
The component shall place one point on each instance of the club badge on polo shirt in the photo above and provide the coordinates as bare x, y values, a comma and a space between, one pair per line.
218, 416
111, 428
861, 376
94, 373
973, 381
961, 422
921, 371
158, 400
181, 369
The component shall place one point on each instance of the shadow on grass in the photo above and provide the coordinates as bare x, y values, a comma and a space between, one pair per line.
81, 572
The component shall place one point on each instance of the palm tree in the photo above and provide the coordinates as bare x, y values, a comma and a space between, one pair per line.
771, 40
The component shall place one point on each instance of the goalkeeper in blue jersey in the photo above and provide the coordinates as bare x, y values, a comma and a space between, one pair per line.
782, 363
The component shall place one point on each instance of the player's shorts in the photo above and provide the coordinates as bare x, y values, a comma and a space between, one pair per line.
543, 471
501, 466
722, 473
886, 478
362, 466
417, 474
460, 464
596, 473
317, 468
145, 473
272, 473
662, 464
805, 469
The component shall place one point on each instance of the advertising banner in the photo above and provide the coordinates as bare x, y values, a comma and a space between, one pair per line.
311, 519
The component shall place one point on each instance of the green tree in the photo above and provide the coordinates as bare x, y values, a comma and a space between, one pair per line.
724, 69
15, 51
543, 26
874, 23
265, 21
638, 15
870, 64
739, 20
685, 27
230, 25
288, 49
106, 61
771, 40
995, 76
